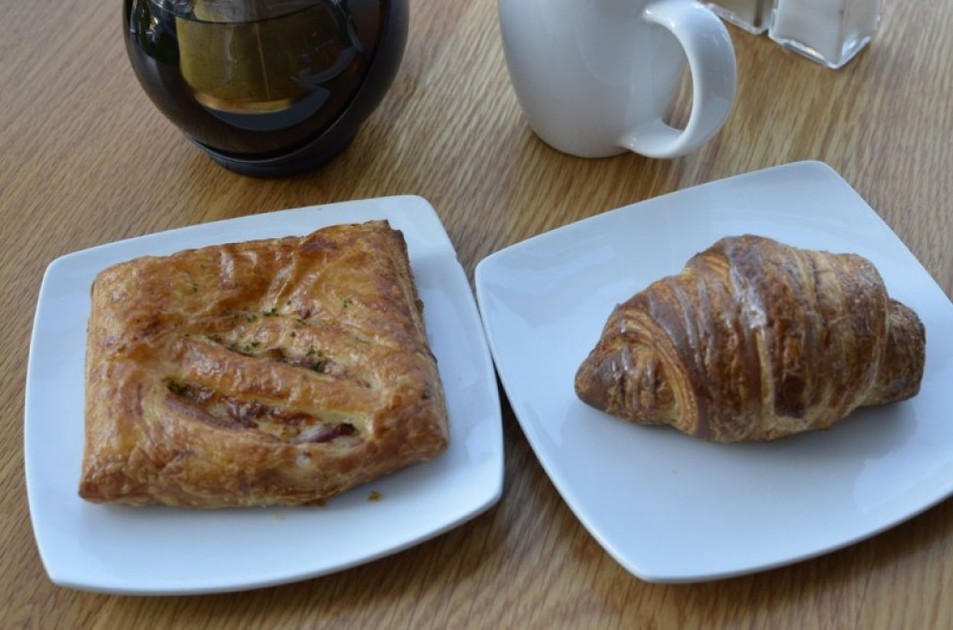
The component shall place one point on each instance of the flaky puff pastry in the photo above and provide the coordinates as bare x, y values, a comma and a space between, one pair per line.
271, 372
755, 340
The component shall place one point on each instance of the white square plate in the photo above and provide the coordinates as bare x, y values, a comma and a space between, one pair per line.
673, 509
160, 550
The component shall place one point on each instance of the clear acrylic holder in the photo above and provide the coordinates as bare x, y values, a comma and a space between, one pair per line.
829, 32
753, 16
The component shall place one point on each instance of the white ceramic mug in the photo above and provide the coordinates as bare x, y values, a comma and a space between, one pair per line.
595, 77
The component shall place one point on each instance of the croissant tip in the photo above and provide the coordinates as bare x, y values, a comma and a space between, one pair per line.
590, 385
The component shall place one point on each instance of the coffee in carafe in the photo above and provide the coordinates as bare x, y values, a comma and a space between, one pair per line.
266, 87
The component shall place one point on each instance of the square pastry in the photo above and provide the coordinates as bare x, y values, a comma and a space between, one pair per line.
271, 372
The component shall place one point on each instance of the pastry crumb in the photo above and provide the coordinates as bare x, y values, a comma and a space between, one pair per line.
374, 496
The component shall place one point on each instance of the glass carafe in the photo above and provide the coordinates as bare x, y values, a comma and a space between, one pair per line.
266, 87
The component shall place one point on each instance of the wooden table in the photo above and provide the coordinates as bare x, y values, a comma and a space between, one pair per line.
86, 159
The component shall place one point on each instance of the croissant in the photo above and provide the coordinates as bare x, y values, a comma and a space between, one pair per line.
755, 340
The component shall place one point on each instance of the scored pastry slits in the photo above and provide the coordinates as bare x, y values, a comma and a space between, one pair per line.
303, 383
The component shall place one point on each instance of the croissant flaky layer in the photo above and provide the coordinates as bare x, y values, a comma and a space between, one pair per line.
755, 340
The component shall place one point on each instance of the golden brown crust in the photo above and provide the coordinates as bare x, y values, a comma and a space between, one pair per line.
272, 372
755, 340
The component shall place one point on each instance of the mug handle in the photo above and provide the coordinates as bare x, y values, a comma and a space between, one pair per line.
711, 60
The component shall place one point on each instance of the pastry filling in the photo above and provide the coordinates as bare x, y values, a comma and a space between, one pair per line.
229, 412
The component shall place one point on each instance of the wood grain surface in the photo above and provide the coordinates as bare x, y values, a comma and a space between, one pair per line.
86, 159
